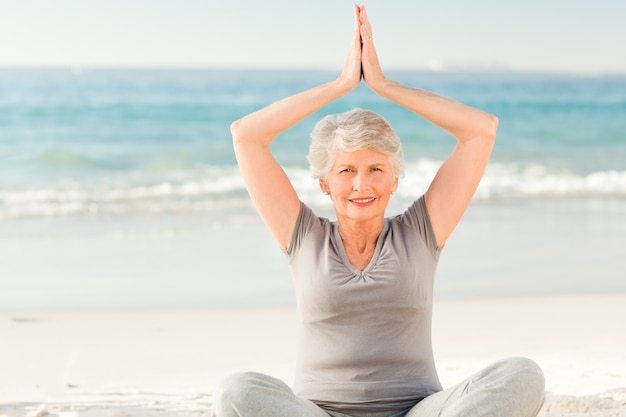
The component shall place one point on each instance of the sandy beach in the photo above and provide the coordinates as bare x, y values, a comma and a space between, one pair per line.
145, 363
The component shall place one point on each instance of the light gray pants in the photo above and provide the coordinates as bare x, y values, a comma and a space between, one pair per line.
513, 387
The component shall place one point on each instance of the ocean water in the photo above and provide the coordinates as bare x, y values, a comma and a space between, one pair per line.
152, 142
140, 155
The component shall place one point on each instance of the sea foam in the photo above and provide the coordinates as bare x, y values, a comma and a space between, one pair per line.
222, 188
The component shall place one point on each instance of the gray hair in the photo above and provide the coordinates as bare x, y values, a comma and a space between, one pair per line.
351, 131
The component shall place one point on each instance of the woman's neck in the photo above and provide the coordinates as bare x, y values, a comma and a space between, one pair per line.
359, 235
359, 241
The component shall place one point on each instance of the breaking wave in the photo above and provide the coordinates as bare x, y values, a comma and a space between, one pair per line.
221, 189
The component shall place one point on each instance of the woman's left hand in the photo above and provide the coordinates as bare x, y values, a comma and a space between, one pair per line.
372, 72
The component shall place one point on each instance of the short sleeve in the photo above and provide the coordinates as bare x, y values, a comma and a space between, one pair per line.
307, 220
416, 217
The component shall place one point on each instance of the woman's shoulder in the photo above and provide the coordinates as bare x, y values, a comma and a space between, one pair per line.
415, 221
414, 215
307, 223
308, 216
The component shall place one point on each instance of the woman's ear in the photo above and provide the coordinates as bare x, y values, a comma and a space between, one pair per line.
324, 187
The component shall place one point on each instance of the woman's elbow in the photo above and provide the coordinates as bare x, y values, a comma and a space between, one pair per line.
240, 134
488, 130
235, 130
491, 127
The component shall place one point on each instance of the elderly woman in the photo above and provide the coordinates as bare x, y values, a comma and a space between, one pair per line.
365, 282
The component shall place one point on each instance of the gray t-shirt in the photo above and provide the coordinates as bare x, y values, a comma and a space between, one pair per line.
365, 336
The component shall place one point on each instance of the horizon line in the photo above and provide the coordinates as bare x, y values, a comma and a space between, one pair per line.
79, 69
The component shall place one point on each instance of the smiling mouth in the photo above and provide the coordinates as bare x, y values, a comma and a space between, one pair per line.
362, 201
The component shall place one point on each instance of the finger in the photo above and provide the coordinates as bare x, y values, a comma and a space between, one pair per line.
366, 35
357, 22
366, 27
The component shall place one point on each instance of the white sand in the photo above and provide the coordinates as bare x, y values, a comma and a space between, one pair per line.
165, 363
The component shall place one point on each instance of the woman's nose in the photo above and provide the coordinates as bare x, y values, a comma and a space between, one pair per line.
359, 183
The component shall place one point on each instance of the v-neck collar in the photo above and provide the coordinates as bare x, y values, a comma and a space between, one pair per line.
344, 256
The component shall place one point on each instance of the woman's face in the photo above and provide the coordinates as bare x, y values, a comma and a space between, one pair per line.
360, 184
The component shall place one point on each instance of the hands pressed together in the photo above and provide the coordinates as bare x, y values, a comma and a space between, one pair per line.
362, 61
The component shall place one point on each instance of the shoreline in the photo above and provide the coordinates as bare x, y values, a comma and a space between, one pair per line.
508, 248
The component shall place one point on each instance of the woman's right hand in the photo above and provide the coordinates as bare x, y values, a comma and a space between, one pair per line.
351, 75
372, 72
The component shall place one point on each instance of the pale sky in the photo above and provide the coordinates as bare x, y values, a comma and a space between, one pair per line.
538, 35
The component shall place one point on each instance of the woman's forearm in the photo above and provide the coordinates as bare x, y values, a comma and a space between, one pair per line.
264, 125
462, 121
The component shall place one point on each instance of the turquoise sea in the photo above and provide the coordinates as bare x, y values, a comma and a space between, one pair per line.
106, 173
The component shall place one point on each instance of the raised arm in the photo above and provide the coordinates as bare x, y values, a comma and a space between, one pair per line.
453, 187
269, 187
